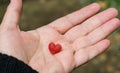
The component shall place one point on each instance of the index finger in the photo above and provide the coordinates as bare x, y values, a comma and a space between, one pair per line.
65, 23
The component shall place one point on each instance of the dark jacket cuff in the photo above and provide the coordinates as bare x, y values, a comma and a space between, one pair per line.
9, 64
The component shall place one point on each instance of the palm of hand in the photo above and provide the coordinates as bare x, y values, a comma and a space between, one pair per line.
61, 62
77, 41
32, 48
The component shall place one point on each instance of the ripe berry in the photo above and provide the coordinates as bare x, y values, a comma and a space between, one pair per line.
54, 48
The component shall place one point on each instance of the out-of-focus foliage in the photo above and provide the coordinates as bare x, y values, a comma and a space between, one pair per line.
37, 13
3, 4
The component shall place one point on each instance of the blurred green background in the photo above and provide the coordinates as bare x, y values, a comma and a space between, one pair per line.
37, 13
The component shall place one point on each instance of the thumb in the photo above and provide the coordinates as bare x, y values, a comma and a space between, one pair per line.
12, 15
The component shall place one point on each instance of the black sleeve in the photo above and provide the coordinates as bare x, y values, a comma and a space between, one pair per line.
9, 64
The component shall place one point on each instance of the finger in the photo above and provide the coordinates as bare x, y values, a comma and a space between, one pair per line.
86, 54
98, 34
91, 24
12, 15
65, 23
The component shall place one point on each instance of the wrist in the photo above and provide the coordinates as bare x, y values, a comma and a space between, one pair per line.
11, 52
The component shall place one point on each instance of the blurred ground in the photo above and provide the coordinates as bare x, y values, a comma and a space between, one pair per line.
37, 13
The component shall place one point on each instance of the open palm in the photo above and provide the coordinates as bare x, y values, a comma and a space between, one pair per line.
81, 40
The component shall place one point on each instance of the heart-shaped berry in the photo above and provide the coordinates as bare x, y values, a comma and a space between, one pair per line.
54, 48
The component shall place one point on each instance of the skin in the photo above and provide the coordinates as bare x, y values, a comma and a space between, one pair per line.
82, 35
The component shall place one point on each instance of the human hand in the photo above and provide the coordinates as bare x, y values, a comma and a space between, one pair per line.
82, 36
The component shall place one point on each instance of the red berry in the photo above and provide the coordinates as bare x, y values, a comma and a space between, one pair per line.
54, 48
